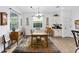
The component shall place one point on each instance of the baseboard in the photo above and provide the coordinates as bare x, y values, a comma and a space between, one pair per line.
57, 36
67, 37
27, 36
62, 37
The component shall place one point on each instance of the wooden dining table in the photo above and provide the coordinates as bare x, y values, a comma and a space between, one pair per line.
40, 35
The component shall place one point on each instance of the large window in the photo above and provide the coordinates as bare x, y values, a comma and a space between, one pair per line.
13, 20
37, 22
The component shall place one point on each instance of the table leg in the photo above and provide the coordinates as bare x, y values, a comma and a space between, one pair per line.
31, 40
46, 39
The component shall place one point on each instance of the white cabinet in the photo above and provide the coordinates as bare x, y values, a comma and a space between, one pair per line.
57, 32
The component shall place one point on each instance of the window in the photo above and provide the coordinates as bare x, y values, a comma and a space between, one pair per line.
13, 20
37, 21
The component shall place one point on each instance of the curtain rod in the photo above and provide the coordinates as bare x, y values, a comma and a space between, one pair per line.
15, 11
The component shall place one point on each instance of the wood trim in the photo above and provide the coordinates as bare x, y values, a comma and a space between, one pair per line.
1, 19
0, 39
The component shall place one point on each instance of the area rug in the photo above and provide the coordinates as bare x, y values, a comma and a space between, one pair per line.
24, 47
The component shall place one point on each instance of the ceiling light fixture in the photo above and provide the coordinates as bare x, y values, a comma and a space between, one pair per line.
38, 12
56, 15
57, 6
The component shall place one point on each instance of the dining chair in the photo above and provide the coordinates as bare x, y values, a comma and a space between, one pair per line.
4, 43
76, 38
50, 31
14, 37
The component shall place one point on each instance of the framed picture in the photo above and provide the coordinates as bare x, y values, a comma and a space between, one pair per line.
21, 22
27, 21
76, 24
47, 21
3, 18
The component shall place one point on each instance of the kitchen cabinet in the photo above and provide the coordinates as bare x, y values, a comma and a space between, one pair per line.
57, 32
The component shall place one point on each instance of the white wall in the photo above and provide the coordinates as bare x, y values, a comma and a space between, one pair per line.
69, 16
52, 20
75, 16
67, 23
5, 29
66, 18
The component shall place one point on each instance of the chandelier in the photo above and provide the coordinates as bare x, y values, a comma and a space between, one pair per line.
38, 14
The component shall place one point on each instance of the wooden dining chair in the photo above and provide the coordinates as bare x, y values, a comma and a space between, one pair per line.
50, 31
14, 37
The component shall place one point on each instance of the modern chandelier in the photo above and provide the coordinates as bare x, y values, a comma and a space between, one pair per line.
37, 10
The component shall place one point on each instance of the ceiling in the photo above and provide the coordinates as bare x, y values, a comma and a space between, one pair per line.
43, 9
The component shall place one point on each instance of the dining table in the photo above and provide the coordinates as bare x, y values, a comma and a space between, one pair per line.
40, 35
